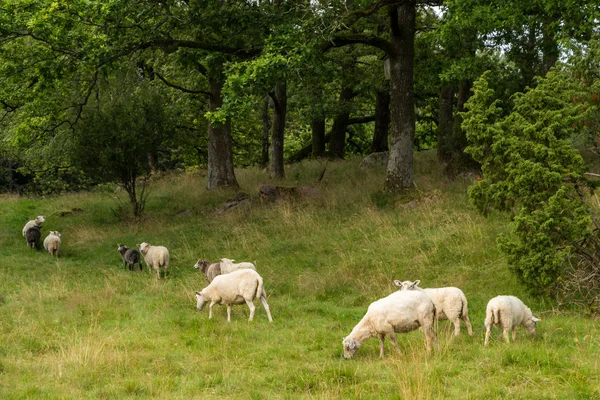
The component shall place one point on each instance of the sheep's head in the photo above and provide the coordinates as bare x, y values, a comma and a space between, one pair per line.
202, 265
350, 347
408, 285
200, 300
40, 219
122, 248
530, 322
144, 247
55, 233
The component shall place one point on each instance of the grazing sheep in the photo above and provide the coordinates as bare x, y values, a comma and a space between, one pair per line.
228, 266
156, 257
130, 257
401, 311
237, 287
34, 222
508, 312
210, 270
450, 303
52, 243
32, 236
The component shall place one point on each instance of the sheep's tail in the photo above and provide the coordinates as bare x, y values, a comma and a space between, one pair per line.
492, 316
260, 291
463, 307
497, 316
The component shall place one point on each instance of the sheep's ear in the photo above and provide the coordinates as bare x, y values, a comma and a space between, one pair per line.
137, 244
534, 319
198, 293
397, 283
415, 284
352, 345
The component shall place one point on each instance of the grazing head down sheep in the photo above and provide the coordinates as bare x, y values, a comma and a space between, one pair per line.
210, 270
32, 236
236, 287
401, 311
508, 312
34, 222
228, 266
130, 257
156, 257
450, 303
52, 243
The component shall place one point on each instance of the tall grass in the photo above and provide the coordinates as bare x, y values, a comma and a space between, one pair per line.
83, 326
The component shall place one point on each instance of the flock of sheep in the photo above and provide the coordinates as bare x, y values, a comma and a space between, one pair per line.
405, 310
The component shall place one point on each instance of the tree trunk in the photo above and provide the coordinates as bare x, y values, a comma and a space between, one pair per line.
266, 128
460, 161
220, 156
382, 121
278, 130
317, 127
337, 143
549, 44
153, 161
444, 139
402, 99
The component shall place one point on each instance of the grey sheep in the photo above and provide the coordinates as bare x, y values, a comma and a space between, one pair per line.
130, 257
210, 270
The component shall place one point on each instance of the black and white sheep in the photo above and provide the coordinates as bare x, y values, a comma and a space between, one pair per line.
450, 303
237, 287
508, 312
401, 311
130, 257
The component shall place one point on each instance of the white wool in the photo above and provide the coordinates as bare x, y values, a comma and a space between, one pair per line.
450, 303
156, 257
52, 243
508, 312
34, 222
236, 287
401, 311
228, 266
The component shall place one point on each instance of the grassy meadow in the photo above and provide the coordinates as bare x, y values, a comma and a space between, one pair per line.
81, 326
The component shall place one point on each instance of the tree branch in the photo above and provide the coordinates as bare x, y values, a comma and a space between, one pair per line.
345, 40
175, 86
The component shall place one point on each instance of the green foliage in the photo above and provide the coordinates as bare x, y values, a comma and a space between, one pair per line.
531, 168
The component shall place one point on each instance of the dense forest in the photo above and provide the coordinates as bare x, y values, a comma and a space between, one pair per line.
111, 92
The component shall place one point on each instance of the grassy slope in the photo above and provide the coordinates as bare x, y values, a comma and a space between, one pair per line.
84, 327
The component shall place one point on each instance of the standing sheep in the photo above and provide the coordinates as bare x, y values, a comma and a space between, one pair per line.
52, 243
156, 257
401, 311
228, 266
32, 236
234, 288
508, 312
130, 257
450, 303
34, 222
210, 270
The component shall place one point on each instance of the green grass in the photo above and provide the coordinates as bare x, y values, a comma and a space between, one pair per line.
82, 326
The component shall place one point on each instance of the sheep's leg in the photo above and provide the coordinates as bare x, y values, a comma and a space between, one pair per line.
252, 309
514, 333
505, 334
468, 323
263, 300
158, 272
430, 337
381, 341
228, 312
488, 331
395, 342
212, 303
456, 323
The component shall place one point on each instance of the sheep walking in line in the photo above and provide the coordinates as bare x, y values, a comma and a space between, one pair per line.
210, 270
228, 266
237, 287
450, 303
32, 236
52, 243
34, 222
156, 257
401, 311
508, 312
130, 257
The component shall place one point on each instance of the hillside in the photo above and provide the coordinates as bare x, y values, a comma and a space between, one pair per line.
82, 326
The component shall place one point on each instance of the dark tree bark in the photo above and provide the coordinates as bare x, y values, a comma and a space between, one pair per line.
266, 128
549, 44
382, 121
337, 142
279, 97
153, 161
317, 127
445, 126
402, 99
220, 156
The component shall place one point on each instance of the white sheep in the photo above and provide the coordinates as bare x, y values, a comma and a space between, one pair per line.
156, 257
52, 243
401, 311
38, 221
508, 312
228, 266
237, 287
450, 303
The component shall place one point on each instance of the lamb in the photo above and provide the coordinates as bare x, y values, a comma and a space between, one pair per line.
32, 236
237, 287
450, 303
508, 312
130, 257
401, 311
52, 243
210, 270
38, 221
228, 266
156, 257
